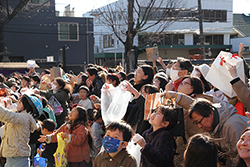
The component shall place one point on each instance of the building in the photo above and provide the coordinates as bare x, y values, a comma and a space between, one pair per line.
40, 33
181, 38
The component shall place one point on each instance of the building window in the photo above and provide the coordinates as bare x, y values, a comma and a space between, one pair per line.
39, 2
210, 40
108, 41
68, 31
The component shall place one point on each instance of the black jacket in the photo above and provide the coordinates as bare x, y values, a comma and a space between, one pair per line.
96, 86
159, 150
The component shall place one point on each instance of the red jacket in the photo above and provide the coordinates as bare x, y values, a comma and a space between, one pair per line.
78, 148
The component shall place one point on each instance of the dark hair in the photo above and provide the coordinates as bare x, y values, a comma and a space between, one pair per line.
26, 104
46, 71
201, 151
92, 71
196, 83
148, 70
26, 78
169, 114
123, 75
97, 115
48, 124
84, 88
66, 87
114, 77
241, 162
163, 82
90, 65
84, 79
81, 119
36, 78
185, 64
123, 127
130, 76
207, 85
111, 70
149, 88
202, 107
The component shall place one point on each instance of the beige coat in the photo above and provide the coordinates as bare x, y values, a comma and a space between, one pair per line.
18, 126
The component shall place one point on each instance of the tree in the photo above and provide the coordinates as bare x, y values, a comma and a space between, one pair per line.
10, 9
141, 15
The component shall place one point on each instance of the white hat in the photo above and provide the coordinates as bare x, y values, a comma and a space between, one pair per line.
204, 68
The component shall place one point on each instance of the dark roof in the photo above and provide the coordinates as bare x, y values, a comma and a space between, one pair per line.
242, 23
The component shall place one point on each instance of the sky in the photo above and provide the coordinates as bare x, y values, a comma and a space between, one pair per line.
83, 6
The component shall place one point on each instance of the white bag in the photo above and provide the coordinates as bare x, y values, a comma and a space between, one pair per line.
114, 102
31, 64
219, 75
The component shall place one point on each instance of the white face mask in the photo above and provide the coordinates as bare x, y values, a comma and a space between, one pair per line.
174, 75
168, 71
53, 86
31, 83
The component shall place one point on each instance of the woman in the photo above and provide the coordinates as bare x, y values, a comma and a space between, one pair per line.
143, 75
62, 92
201, 151
160, 82
243, 147
18, 126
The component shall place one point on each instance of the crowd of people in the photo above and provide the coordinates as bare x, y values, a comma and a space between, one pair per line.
35, 108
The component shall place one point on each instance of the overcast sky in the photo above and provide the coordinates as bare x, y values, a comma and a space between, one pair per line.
83, 6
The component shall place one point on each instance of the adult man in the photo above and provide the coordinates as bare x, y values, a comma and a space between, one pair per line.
222, 122
178, 71
219, 119
97, 83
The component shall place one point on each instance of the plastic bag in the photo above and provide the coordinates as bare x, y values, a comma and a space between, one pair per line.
219, 75
55, 105
39, 161
114, 102
60, 154
134, 149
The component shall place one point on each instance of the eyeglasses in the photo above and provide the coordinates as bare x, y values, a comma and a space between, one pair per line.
196, 123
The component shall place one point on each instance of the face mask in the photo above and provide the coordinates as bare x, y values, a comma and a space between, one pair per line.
53, 87
168, 71
110, 144
31, 83
174, 75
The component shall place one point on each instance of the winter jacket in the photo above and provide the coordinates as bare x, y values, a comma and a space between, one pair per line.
229, 128
17, 129
159, 149
242, 92
63, 97
78, 147
122, 159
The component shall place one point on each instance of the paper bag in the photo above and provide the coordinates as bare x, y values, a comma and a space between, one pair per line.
152, 101
152, 53
56, 72
219, 75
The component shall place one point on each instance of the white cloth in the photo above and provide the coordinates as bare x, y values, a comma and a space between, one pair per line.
87, 104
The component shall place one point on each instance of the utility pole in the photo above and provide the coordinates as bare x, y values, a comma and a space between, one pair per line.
201, 30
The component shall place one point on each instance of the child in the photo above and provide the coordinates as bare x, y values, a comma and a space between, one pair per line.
85, 102
48, 127
97, 134
158, 145
115, 142
77, 134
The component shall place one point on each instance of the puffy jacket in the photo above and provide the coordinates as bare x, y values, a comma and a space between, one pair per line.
17, 129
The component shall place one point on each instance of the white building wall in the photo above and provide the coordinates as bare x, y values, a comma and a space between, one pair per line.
187, 28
